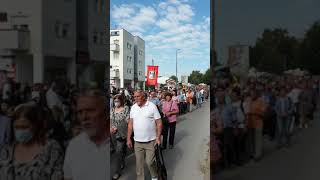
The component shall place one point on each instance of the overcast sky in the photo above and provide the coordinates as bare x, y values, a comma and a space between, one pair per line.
244, 20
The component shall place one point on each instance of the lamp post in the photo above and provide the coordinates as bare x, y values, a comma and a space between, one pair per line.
177, 68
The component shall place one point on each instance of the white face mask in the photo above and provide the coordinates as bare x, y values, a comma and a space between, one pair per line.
117, 104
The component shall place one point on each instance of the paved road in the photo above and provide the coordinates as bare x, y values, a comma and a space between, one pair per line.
301, 161
189, 158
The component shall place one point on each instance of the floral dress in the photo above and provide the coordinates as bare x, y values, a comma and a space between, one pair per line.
47, 165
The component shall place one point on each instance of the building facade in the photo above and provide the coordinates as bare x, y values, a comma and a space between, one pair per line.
127, 60
41, 38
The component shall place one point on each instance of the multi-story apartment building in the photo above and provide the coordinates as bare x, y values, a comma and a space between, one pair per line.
139, 62
127, 59
45, 39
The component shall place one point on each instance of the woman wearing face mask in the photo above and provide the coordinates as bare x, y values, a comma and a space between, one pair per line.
30, 155
119, 119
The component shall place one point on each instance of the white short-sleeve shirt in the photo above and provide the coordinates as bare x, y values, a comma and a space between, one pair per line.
144, 125
85, 160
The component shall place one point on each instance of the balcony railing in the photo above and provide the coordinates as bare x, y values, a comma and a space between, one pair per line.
114, 47
13, 39
114, 73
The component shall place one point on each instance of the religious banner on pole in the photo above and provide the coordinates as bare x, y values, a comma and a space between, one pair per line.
152, 75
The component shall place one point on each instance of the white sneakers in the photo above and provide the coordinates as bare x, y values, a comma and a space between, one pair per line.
154, 178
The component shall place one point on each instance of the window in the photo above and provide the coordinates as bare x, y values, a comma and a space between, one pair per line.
3, 17
129, 58
24, 26
139, 73
65, 30
140, 52
140, 62
57, 29
115, 33
95, 37
129, 46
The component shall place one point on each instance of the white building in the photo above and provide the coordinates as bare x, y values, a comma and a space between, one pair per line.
127, 59
40, 38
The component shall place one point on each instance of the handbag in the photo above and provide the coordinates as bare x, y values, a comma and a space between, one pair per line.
165, 119
161, 168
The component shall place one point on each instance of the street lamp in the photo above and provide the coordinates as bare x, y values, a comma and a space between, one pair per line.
177, 68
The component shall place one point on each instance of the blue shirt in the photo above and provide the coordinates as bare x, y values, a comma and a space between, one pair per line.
227, 116
155, 101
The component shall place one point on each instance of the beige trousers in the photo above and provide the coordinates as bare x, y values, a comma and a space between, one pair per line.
145, 153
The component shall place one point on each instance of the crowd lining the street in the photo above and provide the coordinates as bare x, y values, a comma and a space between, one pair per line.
273, 107
53, 132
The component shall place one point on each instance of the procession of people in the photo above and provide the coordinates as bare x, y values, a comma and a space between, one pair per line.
140, 120
275, 107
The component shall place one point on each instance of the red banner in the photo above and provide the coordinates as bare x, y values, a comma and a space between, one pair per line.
152, 76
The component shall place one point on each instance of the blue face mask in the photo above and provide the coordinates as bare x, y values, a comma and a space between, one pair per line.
23, 136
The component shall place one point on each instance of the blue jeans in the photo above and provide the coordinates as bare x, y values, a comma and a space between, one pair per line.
283, 130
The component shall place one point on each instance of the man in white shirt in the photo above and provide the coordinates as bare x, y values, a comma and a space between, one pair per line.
88, 154
145, 121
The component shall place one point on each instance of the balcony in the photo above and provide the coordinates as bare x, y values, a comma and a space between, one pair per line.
14, 39
114, 47
114, 73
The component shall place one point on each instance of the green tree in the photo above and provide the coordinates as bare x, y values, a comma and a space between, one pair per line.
274, 51
309, 55
174, 78
195, 77
207, 77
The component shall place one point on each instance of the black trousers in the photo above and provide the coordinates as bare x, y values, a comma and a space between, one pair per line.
171, 130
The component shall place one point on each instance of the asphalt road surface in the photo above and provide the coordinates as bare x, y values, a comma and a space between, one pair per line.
189, 160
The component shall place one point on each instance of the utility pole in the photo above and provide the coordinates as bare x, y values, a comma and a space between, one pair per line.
177, 69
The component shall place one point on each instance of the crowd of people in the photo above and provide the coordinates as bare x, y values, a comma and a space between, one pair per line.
243, 115
141, 119
53, 132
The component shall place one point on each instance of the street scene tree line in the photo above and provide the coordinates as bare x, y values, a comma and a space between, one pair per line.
276, 50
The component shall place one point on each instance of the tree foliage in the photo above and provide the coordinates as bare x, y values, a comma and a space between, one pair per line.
174, 78
276, 51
